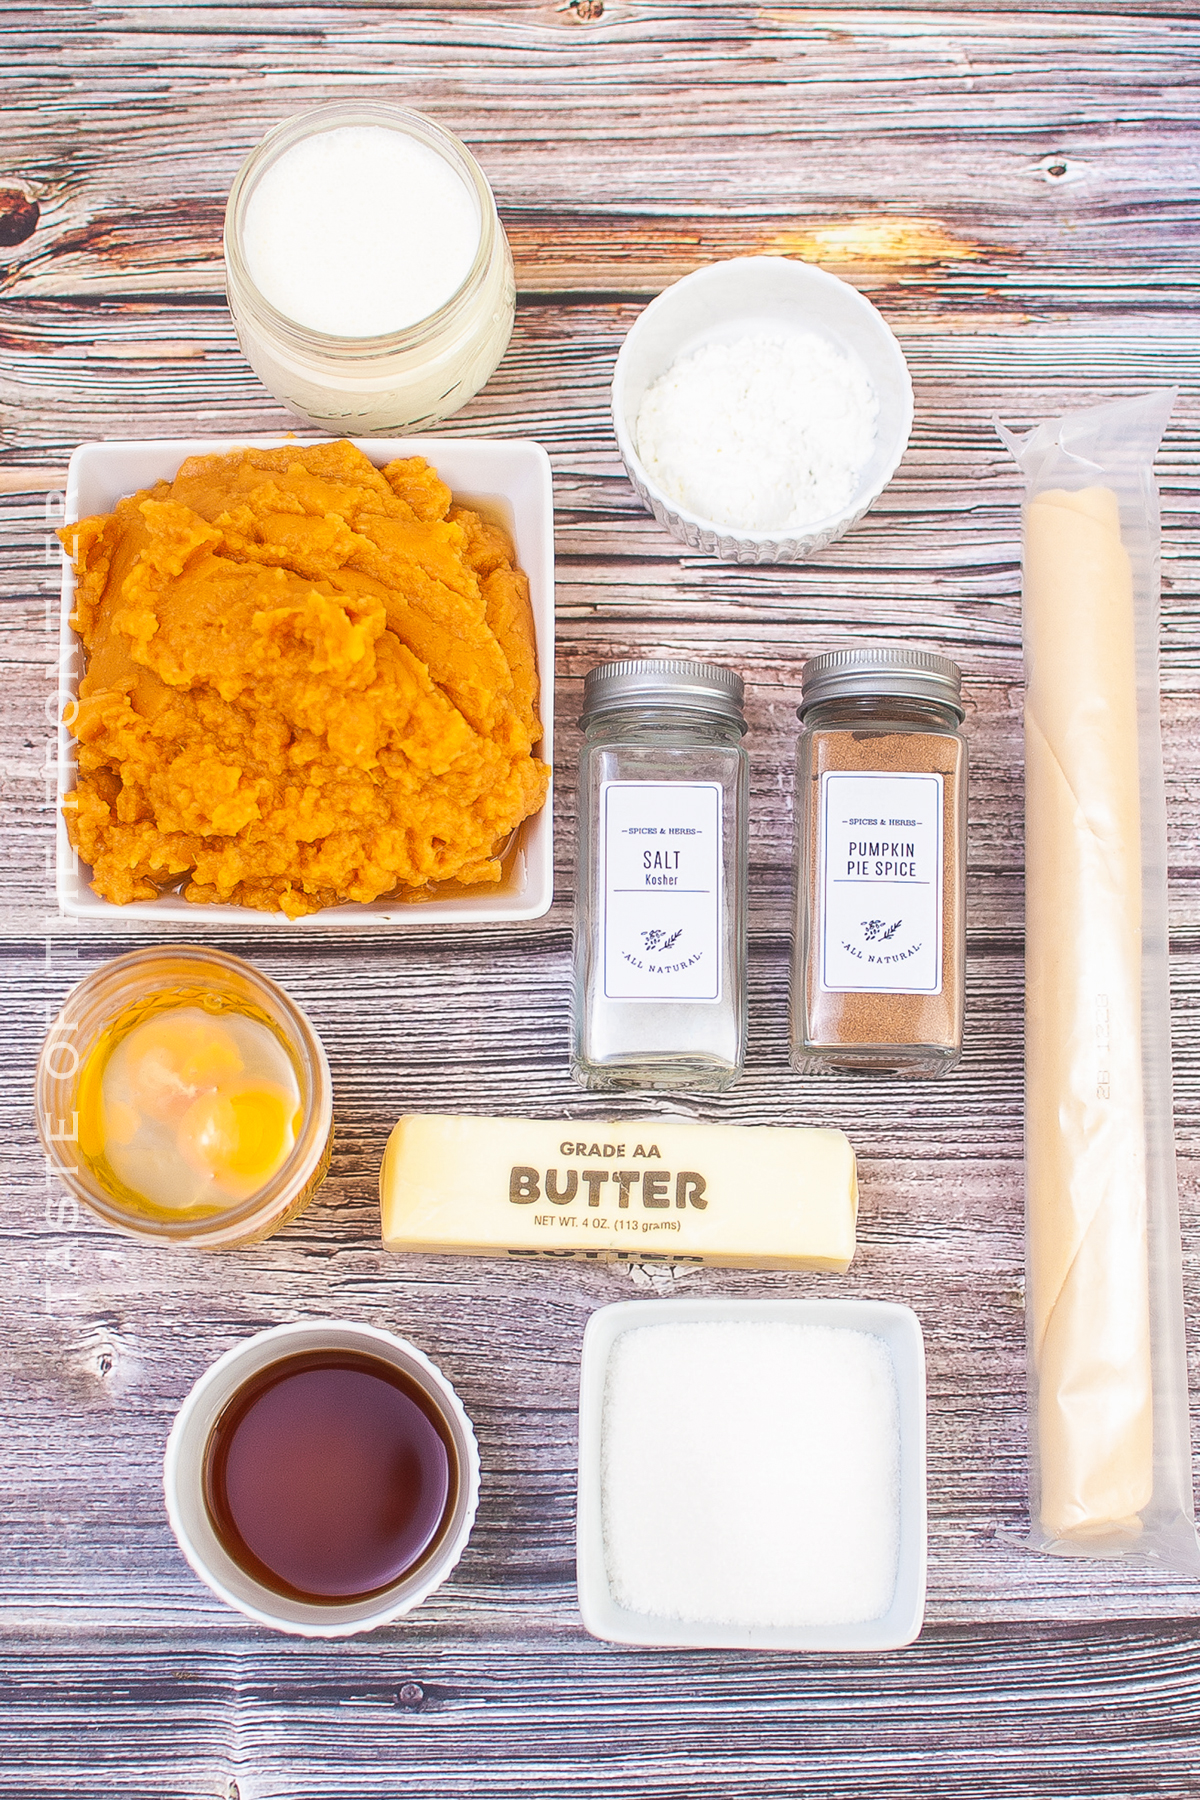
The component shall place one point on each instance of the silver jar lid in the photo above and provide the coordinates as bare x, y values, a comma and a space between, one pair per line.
700, 687
883, 675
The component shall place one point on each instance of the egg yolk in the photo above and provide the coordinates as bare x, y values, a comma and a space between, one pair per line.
170, 1063
237, 1136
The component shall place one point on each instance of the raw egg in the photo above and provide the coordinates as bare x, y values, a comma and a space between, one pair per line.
197, 1111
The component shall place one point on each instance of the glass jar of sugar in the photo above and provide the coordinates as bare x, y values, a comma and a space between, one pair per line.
881, 822
660, 905
367, 271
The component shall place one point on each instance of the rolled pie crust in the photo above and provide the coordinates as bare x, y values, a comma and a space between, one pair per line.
1085, 1145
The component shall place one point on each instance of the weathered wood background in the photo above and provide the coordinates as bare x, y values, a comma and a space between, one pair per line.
1016, 188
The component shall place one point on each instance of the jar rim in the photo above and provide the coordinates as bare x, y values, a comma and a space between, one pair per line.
315, 122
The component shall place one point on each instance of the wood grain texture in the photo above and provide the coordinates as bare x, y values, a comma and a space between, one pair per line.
1018, 190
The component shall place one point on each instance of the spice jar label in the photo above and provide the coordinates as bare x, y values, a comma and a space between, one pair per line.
662, 890
880, 869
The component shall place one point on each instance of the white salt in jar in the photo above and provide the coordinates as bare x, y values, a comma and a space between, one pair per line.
660, 901
367, 271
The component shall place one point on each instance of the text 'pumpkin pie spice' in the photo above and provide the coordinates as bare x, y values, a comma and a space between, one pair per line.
881, 794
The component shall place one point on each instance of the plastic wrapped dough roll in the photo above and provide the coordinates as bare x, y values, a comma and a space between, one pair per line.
1110, 1454
1085, 1137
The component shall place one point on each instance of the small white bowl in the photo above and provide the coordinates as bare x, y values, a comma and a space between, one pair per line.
507, 476
731, 300
183, 1481
605, 1617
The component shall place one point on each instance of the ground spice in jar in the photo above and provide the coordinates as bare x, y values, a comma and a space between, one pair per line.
881, 793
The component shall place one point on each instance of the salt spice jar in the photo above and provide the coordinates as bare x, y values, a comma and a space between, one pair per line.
367, 270
660, 910
881, 815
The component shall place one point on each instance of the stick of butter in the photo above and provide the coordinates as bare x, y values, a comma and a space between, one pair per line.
739, 1196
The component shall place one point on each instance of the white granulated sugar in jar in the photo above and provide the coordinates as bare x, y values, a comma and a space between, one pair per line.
750, 1473
769, 433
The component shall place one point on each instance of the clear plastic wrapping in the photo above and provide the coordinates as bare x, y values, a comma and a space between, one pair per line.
1110, 1457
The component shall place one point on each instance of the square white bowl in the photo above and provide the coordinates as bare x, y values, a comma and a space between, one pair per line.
606, 1618
510, 477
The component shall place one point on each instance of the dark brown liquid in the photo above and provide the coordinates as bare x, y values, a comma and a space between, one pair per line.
329, 1475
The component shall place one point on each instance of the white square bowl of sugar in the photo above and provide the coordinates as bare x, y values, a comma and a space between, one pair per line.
752, 1474
507, 479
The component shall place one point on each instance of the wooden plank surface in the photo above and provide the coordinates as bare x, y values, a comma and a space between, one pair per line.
1017, 189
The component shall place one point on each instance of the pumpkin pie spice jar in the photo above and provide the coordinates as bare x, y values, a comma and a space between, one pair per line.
881, 810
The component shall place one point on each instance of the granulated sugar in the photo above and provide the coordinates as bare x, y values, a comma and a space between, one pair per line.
750, 1473
769, 433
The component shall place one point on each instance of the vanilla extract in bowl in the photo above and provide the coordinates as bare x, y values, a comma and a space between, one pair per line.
330, 1475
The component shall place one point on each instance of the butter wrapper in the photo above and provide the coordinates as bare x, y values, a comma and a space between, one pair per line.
735, 1196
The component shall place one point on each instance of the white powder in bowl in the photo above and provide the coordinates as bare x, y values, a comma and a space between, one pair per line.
750, 1474
770, 433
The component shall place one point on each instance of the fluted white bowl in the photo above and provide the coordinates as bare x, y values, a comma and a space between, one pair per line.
731, 300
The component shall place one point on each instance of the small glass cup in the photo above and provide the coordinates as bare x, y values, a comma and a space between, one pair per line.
192, 974
401, 380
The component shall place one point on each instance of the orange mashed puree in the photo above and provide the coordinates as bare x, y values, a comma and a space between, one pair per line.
308, 681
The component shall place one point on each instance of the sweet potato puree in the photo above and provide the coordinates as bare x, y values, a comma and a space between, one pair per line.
308, 680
